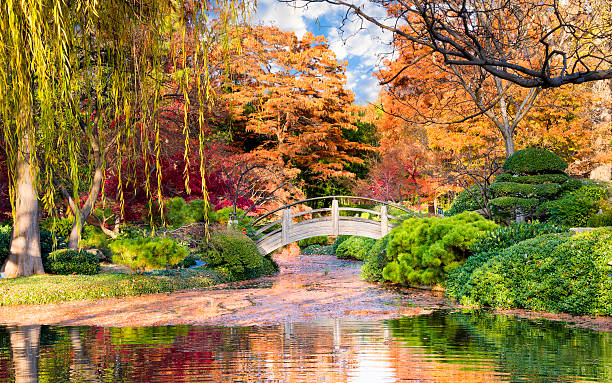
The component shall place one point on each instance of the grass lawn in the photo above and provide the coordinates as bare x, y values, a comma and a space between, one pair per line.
57, 288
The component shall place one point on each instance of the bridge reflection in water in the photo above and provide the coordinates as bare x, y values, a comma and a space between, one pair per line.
342, 218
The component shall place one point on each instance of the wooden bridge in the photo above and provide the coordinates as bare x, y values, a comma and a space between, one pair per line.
335, 220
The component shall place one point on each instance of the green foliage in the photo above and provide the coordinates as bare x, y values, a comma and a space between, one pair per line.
601, 220
61, 227
94, 237
557, 178
322, 240
338, 241
222, 215
5, 242
354, 248
66, 262
375, 260
177, 212
525, 190
148, 253
40, 289
576, 208
465, 201
421, 251
236, 256
317, 249
533, 161
458, 281
552, 272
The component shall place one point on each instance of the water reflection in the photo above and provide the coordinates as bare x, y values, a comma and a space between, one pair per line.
441, 347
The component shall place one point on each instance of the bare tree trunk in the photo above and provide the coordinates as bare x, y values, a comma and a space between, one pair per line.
25, 258
25, 344
509, 143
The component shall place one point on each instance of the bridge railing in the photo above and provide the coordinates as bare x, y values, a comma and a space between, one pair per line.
294, 226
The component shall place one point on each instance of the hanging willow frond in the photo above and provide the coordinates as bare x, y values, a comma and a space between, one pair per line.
69, 67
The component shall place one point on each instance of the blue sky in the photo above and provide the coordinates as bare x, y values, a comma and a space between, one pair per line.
361, 45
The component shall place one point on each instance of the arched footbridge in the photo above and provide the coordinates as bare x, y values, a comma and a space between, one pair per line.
342, 218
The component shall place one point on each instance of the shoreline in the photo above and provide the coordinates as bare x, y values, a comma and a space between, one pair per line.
308, 287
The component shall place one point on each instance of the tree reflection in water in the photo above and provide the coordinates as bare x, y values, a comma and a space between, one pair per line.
441, 347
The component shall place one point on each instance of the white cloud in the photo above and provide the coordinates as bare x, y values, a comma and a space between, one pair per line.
361, 43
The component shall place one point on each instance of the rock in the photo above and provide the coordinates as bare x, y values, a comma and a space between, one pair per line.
602, 173
113, 268
97, 253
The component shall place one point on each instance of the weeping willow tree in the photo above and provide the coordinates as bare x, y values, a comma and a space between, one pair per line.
80, 75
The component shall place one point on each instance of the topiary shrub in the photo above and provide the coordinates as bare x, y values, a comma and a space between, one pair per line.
375, 260
235, 256
532, 161
354, 248
421, 251
469, 199
67, 261
532, 177
552, 272
458, 282
147, 253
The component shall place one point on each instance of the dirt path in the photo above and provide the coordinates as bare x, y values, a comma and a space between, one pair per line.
307, 288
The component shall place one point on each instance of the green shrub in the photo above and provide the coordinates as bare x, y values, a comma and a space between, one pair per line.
322, 240
67, 261
61, 227
576, 208
317, 249
223, 215
236, 256
354, 248
600, 220
147, 253
5, 242
178, 212
532, 161
552, 272
465, 201
338, 241
421, 251
375, 260
459, 283
94, 237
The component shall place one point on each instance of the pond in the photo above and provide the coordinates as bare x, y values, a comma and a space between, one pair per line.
444, 346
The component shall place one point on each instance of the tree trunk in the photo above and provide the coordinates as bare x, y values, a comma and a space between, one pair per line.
25, 344
25, 259
509, 143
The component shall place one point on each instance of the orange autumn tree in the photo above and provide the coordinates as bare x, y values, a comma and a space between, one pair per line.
289, 104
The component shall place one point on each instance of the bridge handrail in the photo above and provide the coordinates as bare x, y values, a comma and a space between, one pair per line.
332, 197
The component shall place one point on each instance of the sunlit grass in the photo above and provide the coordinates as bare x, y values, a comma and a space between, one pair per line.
56, 288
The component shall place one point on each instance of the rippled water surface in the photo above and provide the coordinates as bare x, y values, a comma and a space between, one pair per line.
441, 347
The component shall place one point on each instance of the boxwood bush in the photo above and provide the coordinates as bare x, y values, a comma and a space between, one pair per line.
234, 255
459, 283
67, 261
533, 161
375, 260
148, 253
552, 272
354, 248
421, 251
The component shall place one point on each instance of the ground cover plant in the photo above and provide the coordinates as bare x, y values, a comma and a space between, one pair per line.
422, 251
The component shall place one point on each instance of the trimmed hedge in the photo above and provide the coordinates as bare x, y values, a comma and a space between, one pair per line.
558, 178
148, 253
67, 261
533, 161
458, 281
375, 260
235, 256
338, 241
422, 251
354, 248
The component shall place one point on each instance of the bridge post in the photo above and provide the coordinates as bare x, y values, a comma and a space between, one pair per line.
286, 226
335, 213
384, 221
